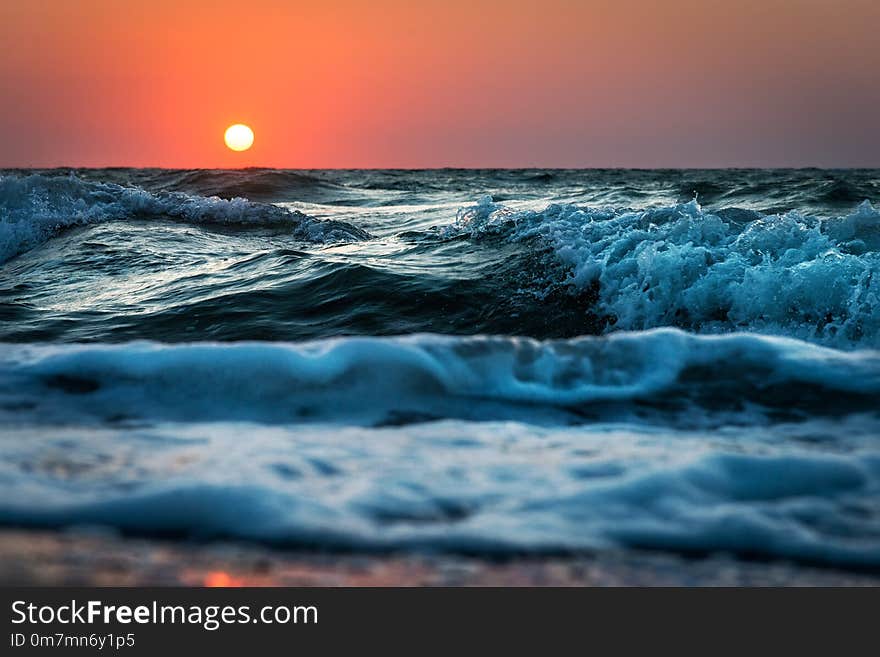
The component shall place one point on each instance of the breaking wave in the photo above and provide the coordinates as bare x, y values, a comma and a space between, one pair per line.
411, 379
802, 276
656, 440
34, 208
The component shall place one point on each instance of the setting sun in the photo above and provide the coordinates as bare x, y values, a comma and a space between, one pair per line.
239, 137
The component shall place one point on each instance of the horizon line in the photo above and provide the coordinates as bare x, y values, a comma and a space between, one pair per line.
806, 167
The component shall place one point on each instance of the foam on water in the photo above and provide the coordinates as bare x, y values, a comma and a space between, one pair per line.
400, 380
803, 276
36, 207
452, 485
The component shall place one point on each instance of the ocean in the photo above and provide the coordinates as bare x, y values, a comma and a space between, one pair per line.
490, 362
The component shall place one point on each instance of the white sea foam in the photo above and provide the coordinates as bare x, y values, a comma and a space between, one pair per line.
489, 487
376, 380
813, 278
35, 207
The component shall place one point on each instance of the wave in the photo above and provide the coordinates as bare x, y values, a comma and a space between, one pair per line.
34, 208
803, 508
784, 190
758, 446
561, 271
267, 185
665, 374
804, 492
802, 276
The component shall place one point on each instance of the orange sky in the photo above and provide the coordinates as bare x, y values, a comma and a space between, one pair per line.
425, 83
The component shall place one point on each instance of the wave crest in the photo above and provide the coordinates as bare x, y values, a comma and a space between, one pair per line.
374, 380
269, 185
656, 440
803, 276
34, 208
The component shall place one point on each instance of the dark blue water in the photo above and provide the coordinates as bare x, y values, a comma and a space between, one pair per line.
469, 360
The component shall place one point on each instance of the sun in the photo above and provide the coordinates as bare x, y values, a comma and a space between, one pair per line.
239, 137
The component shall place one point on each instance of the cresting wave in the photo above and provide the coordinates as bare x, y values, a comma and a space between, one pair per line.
36, 207
813, 278
661, 374
486, 445
602, 269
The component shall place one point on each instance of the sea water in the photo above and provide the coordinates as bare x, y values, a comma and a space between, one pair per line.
504, 361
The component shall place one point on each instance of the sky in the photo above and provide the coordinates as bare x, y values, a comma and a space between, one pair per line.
436, 83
